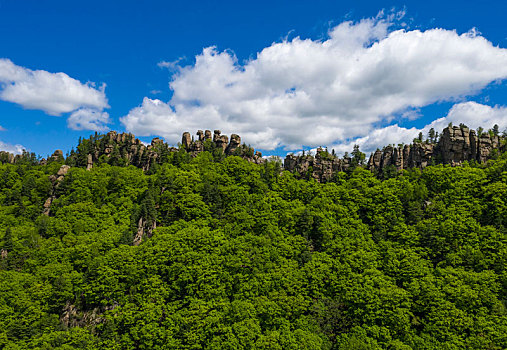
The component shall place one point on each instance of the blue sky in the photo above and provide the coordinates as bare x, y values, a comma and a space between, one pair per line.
119, 57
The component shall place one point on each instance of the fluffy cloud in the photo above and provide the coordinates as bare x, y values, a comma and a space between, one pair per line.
307, 92
16, 149
53, 93
88, 119
472, 114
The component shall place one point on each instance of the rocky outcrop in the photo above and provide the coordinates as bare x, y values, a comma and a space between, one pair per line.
320, 167
125, 149
89, 162
6, 157
72, 316
55, 183
219, 142
186, 140
455, 146
234, 144
57, 156
143, 228
118, 149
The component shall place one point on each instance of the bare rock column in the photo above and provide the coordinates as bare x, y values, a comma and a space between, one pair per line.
233, 144
186, 140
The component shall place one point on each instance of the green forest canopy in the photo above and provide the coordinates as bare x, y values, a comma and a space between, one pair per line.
245, 256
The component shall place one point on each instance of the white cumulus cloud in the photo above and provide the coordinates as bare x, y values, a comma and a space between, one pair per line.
53, 93
472, 114
327, 92
7, 147
88, 119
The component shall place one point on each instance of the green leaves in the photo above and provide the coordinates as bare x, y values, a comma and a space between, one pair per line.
217, 253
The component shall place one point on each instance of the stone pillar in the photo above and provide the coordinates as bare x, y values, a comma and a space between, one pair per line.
186, 140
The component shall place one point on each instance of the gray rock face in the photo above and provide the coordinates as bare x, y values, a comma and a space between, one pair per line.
143, 229
420, 155
186, 140
456, 145
485, 147
387, 157
219, 141
233, 145
461, 144
320, 167
6, 157
47, 205
124, 149
406, 156
64, 169
89, 162
157, 141
55, 182
375, 159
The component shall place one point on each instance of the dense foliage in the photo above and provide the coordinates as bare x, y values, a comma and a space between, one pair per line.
245, 256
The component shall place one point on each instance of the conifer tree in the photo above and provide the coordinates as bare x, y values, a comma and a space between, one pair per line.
431, 135
7, 242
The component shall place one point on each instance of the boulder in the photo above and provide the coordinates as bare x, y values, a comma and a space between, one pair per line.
64, 169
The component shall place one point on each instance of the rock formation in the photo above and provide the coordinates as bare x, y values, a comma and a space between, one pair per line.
118, 149
143, 228
126, 149
221, 142
417, 155
321, 167
6, 157
73, 316
455, 146
234, 144
55, 182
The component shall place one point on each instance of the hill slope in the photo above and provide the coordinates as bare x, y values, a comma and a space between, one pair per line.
201, 252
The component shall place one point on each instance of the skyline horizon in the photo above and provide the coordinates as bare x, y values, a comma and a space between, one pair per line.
309, 151
357, 75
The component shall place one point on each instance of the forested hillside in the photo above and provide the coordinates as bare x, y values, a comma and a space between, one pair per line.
223, 253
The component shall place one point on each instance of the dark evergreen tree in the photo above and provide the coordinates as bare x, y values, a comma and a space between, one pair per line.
431, 135
496, 130
7, 241
358, 157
